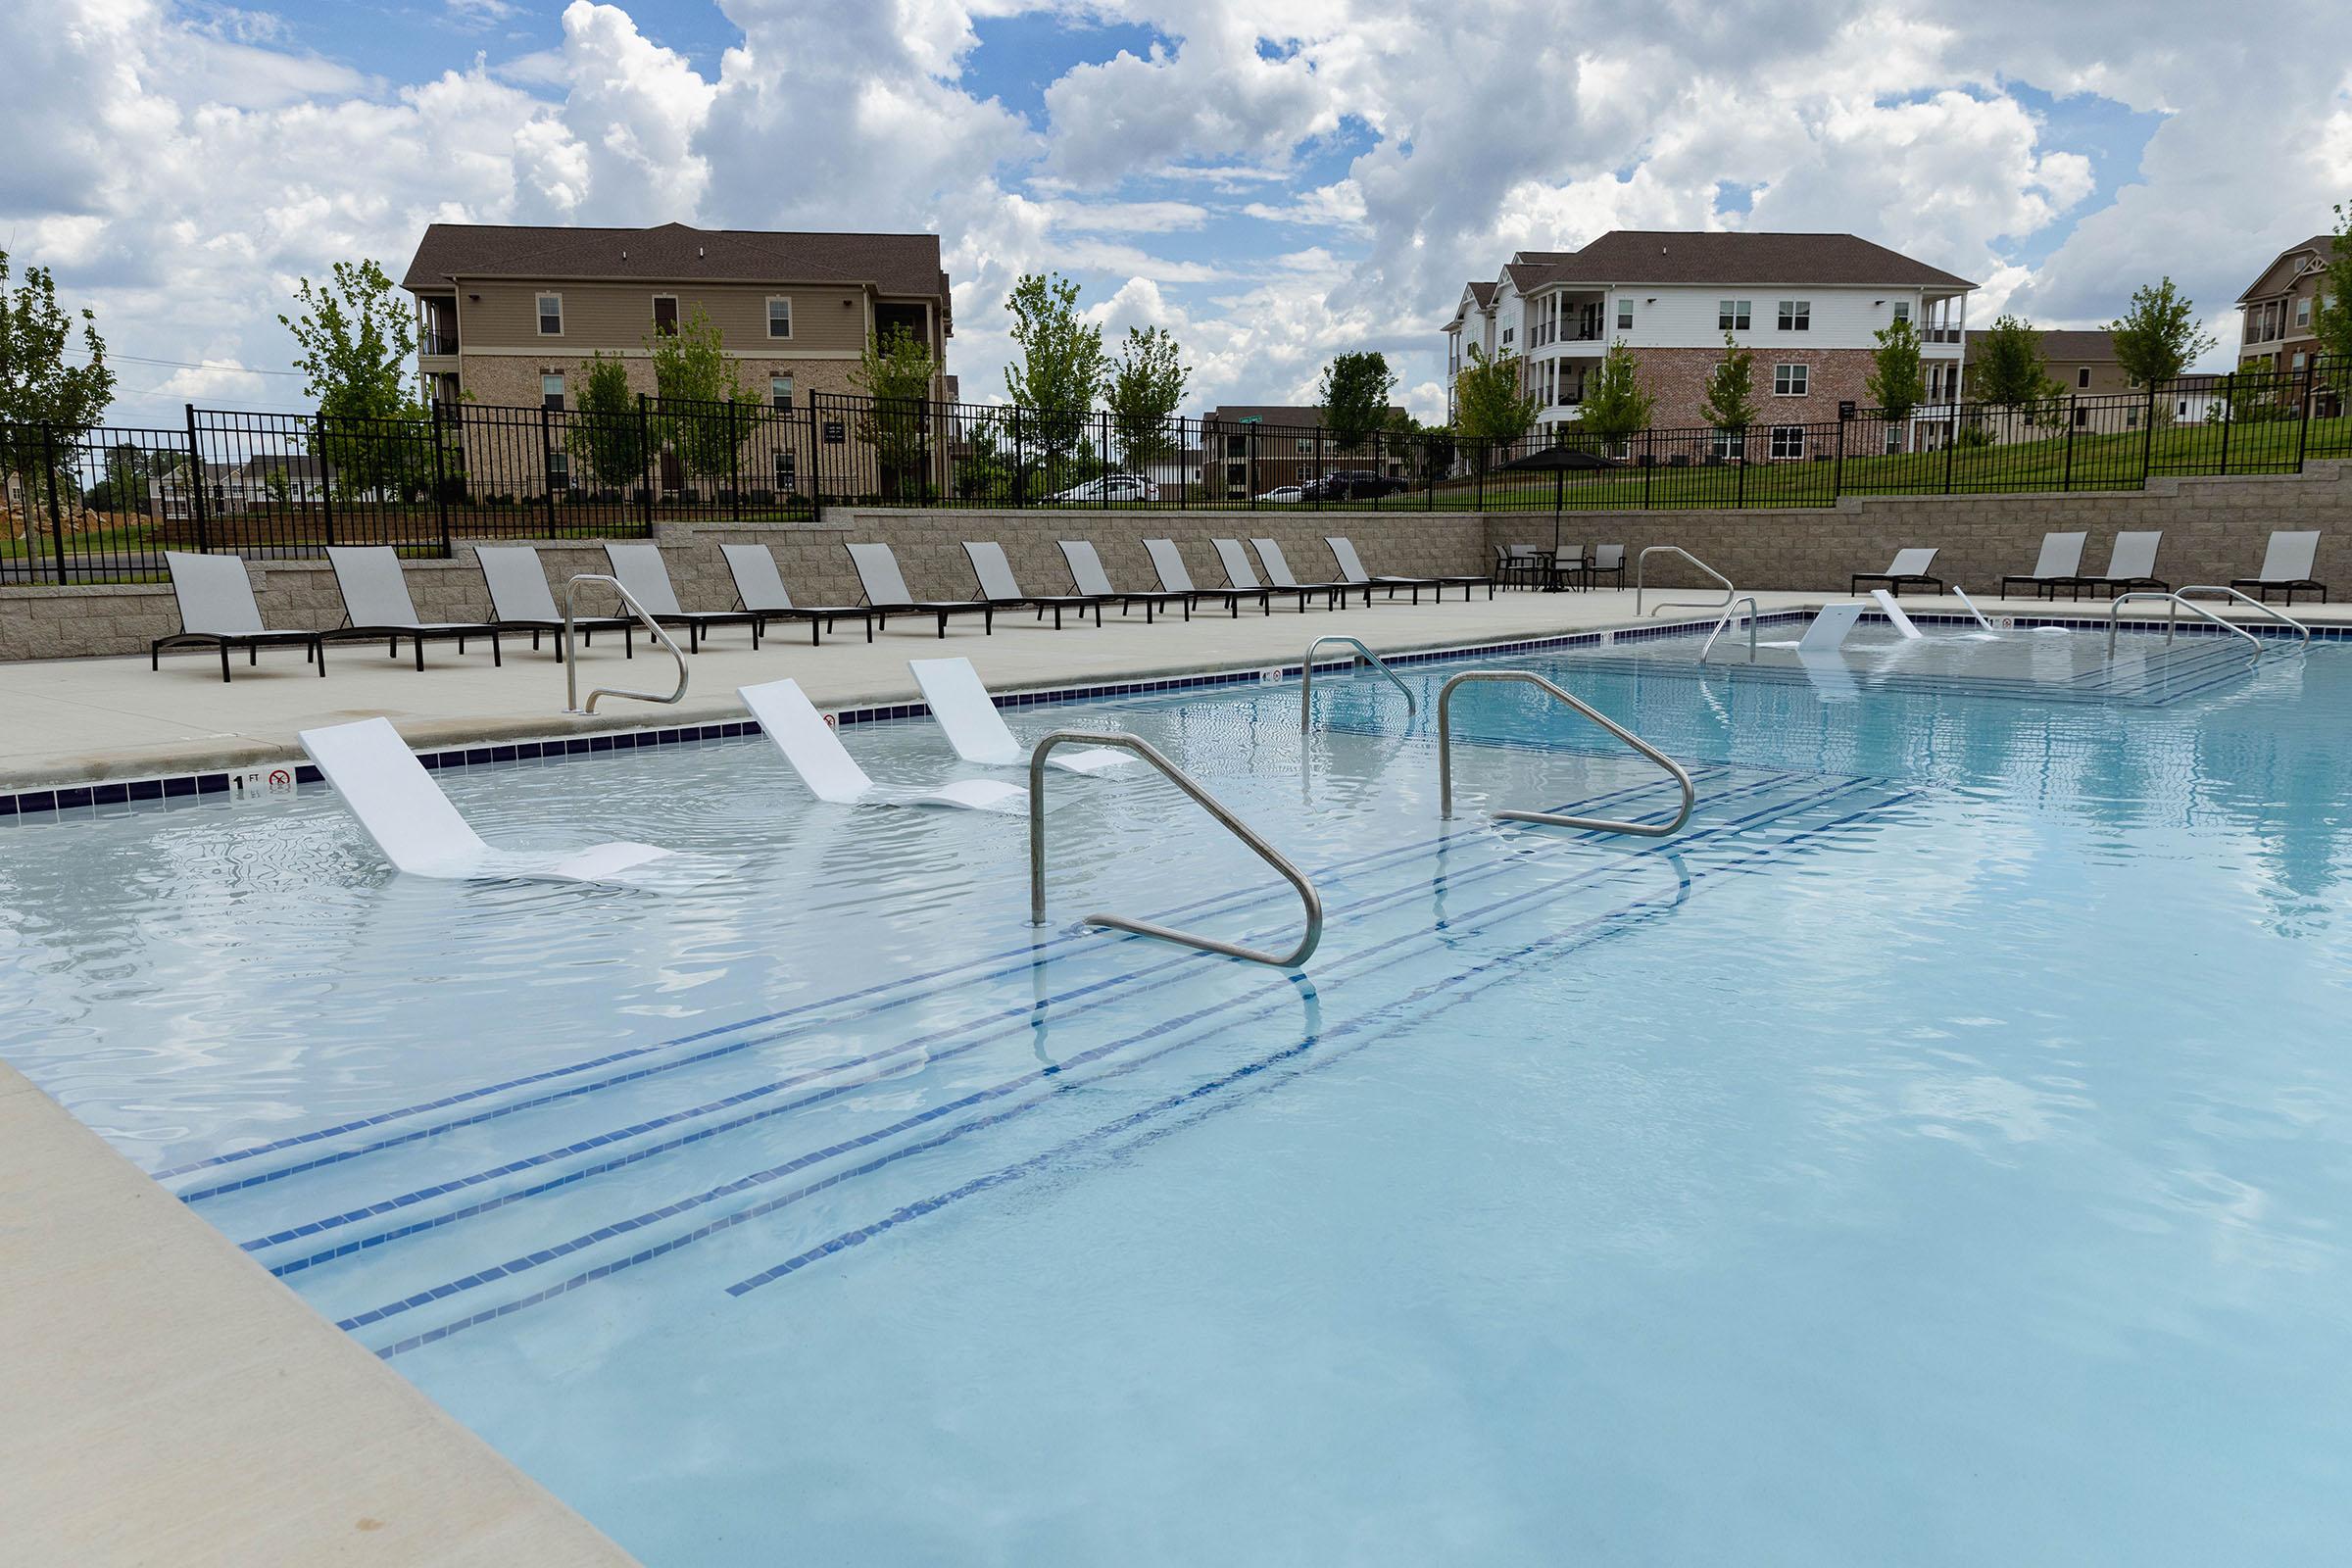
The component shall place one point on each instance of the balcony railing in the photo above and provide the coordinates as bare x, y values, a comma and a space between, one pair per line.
1939, 334
433, 342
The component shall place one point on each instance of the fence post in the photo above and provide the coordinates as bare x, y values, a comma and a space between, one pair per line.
648, 463
326, 473
2067, 479
1740, 473
1020, 463
1650, 463
817, 461
1429, 475
56, 519
433, 409
1951, 449
2230, 417
2147, 438
1836, 465
547, 476
1479, 468
192, 478
2310, 369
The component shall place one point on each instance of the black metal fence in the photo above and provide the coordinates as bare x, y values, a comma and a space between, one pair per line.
105, 504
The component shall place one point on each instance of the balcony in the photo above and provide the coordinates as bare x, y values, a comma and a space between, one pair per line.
1939, 334
437, 342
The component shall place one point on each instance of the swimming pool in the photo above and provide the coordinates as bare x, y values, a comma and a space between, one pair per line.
1935, 1152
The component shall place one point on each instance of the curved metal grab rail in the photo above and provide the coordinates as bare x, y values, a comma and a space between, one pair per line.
1306, 677
1207, 803
1641, 563
571, 650
2171, 618
2300, 630
1598, 824
1750, 600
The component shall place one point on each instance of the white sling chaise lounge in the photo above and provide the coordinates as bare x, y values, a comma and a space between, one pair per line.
375, 600
978, 732
1351, 572
1278, 572
886, 591
1910, 567
522, 601
646, 575
2059, 566
2132, 564
761, 587
1003, 591
1243, 576
217, 609
1175, 578
1090, 579
383, 785
2288, 562
792, 723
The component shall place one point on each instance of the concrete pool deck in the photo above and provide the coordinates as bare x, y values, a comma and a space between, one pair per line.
74, 720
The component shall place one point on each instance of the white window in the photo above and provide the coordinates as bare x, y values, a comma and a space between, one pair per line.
665, 315
2081, 376
2303, 310
551, 392
1731, 445
1902, 310
1731, 315
1895, 437
786, 471
1788, 440
1791, 381
1623, 448
2183, 413
1625, 316
550, 315
559, 470
1506, 335
779, 315
2298, 361
779, 392
1796, 316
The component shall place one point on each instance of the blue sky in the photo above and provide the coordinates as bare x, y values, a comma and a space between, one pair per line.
1273, 200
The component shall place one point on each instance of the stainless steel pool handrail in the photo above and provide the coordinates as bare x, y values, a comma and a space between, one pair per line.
1750, 600
1641, 563
1598, 824
1306, 677
1207, 803
2171, 618
2300, 630
572, 649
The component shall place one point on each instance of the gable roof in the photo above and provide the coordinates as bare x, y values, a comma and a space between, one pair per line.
895, 263
2070, 344
1732, 255
2320, 247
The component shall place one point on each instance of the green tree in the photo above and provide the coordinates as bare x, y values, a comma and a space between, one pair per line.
696, 388
1488, 402
1061, 367
1729, 402
2158, 337
986, 467
895, 373
1146, 385
36, 384
1615, 405
1895, 380
2009, 371
2332, 319
357, 340
602, 434
1354, 397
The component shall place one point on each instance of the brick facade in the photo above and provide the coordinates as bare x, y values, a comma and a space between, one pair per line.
1678, 379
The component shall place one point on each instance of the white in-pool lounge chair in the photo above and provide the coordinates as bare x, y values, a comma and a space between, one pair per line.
797, 729
1090, 579
762, 588
1278, 572
1003, 591
522, 601
646, 575
1168, 561
383, 785
2059, 566
2130, 563
978, 732
376, 603
1910, 567
886, 591
2286, 564
217, 610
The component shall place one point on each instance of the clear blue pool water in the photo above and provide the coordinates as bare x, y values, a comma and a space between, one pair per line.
1938, 1153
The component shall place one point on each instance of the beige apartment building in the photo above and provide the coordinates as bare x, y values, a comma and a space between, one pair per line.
1248, 449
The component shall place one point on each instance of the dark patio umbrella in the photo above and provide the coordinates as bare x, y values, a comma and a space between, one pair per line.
1559, 459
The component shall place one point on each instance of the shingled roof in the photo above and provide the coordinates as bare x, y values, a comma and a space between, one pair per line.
1660, 255
2070, 344
669, 253
2320, 247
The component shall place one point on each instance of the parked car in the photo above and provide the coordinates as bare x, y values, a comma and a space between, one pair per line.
1282, 494
1112, 487
1351, 484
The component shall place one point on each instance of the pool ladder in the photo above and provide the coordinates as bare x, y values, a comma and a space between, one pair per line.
2178, 600
1596, 824
1306, 677
1207, 803
572, 649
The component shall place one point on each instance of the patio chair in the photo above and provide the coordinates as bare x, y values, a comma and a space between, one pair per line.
761, 587
379, 781
953, 690
217, 610
1002, 590
814, 748
1278, 572
886, 592
1090, 579
2286, 564
1168, 561
1351, 570
1567, 568
2130, 563
643, 572
1607, 559
1910, 567
2059, 566
377, 603
521, 601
